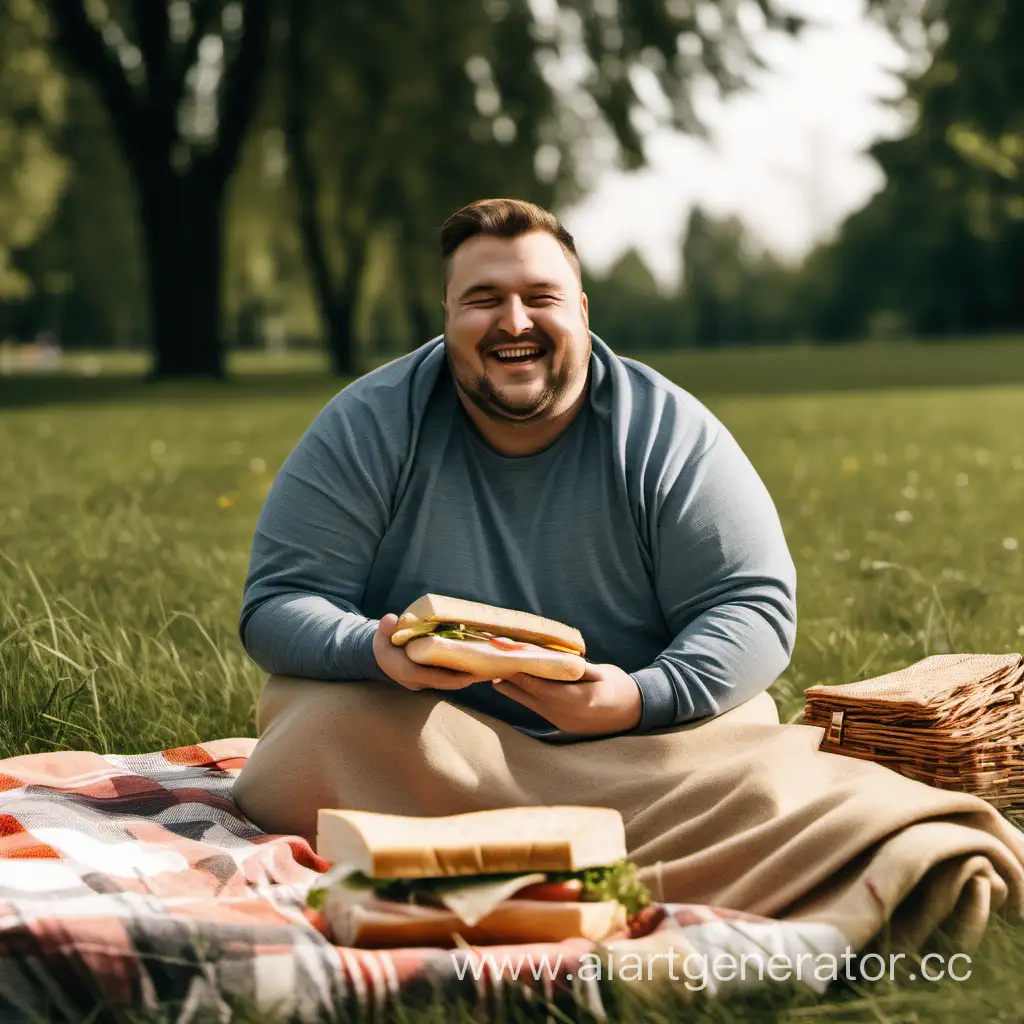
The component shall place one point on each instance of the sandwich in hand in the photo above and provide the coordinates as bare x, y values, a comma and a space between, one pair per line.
519, 874
467, 636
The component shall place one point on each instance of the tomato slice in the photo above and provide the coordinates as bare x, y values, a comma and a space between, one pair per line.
556, 892
504, 644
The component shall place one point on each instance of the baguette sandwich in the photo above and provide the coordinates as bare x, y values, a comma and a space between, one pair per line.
467, 636
521, 874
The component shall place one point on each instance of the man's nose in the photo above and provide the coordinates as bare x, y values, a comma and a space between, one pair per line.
515, 317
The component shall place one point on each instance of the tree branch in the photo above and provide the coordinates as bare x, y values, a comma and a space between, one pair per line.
82, 44
238, 95
296, 130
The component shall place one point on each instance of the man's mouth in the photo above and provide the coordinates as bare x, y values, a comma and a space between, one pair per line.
517, 355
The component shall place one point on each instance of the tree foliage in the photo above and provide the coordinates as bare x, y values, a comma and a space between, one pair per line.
325, 143
91, 246
32, 111
393, 124
940, 249
393, 116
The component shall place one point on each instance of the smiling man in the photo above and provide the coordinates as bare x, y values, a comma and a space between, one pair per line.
516, 321
520, 462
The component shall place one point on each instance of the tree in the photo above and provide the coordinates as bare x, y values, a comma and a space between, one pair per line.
939, 249
267, 297
628, 310
179, 81
393, 124
32, 111
385, 137
92, 243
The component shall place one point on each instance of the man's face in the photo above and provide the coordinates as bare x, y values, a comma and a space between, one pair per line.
509, 294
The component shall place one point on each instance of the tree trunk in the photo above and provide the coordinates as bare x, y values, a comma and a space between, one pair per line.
420, 320
341, 338
335, 304
340, 311
183, 238
181, 215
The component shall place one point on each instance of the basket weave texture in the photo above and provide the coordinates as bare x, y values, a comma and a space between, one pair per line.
955, 721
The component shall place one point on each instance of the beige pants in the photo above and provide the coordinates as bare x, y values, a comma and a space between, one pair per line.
738, 811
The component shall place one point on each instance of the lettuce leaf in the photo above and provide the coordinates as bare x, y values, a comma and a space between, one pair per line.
456, 631
617, 881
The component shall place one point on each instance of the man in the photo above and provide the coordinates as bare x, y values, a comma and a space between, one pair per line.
521, 463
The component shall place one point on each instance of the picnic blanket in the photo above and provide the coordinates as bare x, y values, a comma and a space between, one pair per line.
737, 812
136, 879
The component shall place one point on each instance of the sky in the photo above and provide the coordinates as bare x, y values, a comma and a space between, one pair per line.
787, 157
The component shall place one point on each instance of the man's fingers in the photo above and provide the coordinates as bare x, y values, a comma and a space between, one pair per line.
534, 685
388, 623
432, 684
517, 693
445, 679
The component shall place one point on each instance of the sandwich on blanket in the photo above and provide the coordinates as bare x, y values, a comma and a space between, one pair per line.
519, 874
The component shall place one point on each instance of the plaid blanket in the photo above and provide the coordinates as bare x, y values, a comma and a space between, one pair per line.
135, 880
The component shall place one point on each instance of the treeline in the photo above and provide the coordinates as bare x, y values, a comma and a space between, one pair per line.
731, 293
201, 173
938, 252
282, 166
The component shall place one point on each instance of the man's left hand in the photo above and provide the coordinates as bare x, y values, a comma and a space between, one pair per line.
606, 700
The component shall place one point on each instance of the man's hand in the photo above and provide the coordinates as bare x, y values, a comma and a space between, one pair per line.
397, 665
606, 700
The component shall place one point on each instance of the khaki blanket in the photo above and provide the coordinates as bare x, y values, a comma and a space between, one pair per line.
737, 812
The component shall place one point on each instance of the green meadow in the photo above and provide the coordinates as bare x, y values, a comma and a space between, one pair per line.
127, 511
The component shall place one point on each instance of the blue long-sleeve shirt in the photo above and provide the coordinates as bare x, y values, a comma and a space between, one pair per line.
644, 525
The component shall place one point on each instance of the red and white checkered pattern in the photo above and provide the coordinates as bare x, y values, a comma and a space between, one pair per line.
135, 879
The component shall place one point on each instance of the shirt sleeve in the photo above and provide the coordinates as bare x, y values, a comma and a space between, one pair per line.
314, 544
726, 584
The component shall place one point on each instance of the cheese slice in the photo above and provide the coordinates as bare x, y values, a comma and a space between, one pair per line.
472, 902
403, 636
556, 647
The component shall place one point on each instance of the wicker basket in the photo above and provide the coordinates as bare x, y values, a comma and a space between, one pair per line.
955, 721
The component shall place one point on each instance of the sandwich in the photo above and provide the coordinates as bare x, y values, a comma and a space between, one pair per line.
467, 636
519, 874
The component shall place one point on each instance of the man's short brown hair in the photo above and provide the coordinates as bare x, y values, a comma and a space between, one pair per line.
502, 218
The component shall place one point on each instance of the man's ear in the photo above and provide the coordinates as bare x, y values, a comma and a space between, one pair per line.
585, 302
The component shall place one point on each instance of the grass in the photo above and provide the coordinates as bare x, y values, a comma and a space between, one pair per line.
128, 510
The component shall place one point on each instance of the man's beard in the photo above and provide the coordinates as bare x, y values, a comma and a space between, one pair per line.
479, 389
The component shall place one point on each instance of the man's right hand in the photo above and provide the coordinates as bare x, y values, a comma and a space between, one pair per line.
397, 665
